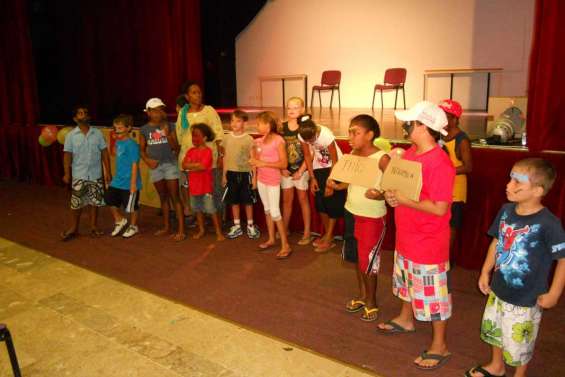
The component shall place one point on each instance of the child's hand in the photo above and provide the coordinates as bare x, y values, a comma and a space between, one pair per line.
331, 184
224, 181
484, 285
256, 163
152, 163
373, 194
314, 187
285, 173
548, 300
297, 175
329, 191
133, 188
254, 184
390, 197
67, 179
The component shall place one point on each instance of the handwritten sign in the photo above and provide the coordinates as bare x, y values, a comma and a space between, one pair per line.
404, 176
357, 170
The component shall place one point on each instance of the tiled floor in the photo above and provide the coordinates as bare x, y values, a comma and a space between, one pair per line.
67, 321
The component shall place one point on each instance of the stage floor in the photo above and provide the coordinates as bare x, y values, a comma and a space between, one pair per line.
338, 120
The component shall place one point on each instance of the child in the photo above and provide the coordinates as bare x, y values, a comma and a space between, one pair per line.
237, 177
527, 238
124, 189
326, 153
421, 258
85, 153
158, 146
459, 149
198, 162
369, 211
295, 176
268, 158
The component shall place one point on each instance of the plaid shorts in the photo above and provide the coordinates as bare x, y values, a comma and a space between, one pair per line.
425, 286
87, 193
512, 328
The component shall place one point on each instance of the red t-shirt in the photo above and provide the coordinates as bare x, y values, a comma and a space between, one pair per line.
420, 236
199, 181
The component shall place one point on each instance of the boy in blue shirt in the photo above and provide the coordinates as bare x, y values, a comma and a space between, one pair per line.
125, 187
85, 152
527, 238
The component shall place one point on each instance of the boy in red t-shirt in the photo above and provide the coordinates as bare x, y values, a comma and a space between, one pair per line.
198, 162
421, 260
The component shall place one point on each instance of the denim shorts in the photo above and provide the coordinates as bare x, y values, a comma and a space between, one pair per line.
165, 170
203, 203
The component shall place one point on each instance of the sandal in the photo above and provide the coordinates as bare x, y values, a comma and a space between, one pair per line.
266, 246
395, 329
304, 241
354, 306
324, 247
441, 360
284, 255
67, 236
483, 371
369, 315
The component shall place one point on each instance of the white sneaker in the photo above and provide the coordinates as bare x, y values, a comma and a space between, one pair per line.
131, 231
119, 226
253, 232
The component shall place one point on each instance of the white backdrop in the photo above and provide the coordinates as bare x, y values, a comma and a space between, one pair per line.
363, 38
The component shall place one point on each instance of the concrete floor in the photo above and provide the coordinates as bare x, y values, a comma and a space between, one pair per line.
67, 321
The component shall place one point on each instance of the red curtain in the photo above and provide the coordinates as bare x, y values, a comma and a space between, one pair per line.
18, 96
546, 104
115, 55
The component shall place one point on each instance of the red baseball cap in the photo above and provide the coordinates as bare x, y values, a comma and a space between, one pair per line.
452, 107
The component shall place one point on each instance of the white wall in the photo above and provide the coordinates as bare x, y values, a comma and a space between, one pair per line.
364, 37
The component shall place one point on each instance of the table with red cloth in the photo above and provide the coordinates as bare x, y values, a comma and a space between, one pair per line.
23, 159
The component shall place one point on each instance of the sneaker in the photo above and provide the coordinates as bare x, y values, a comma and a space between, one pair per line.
119, 226
253, 232
131, 231
234, 232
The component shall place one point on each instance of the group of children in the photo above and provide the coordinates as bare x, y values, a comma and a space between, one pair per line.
299, 155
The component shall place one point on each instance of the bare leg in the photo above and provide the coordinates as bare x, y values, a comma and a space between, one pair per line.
75, 221
496, 365
438, 346
235, 212
173, 188
133, 217
305, 208
201, 228
217, 227
285, 247
116, 214
370, 284
288, 198
271, 232
161, 187
329, 234
249, 212
405, 318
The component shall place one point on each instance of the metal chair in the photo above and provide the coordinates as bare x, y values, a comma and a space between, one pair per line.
394, 80
6, 337
330, 81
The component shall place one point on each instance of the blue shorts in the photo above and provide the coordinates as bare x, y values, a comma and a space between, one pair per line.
165, 170
203, 203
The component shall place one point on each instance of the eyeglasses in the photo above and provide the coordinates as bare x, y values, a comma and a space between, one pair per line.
408, 127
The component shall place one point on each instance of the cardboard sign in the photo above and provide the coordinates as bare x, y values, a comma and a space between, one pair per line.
404, 176
357, 170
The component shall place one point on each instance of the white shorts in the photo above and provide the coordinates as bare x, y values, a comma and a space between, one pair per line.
270, 197
300, 184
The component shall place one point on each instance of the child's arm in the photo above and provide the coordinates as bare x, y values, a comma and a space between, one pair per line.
133, 180
67, 161
549, 300
308, 158
467, 166
193, 166
172, 138
488, 265
282, 163
106, 165
375, 194
143, 150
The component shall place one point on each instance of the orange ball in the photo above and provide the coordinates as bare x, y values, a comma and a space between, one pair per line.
49, 133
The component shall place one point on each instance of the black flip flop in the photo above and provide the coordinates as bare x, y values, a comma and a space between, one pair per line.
67, 236
396, 329
483, 371
433, 356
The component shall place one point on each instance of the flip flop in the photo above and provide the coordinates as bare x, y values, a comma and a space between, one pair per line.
324, 248
284, 255
396, 329
367, 315
483, 371
265, 246
441, 359
354, 306
67, 236
304, 241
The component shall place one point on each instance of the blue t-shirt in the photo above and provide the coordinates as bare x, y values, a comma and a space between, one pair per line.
127, 152
526, 249
87, 151
158, 147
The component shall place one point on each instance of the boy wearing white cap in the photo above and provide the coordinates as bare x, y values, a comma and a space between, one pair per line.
421, 259
159, 149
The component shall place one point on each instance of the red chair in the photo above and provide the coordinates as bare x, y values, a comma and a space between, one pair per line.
330, 81
394, 80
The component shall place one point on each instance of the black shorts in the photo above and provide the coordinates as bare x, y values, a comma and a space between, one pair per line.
239, 189
116, 197
331, 205
349, 251
456, 215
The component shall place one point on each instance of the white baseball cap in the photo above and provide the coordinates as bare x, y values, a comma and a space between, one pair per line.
427, 113
153, 103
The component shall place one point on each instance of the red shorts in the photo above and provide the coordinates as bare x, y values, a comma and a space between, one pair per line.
369, 233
